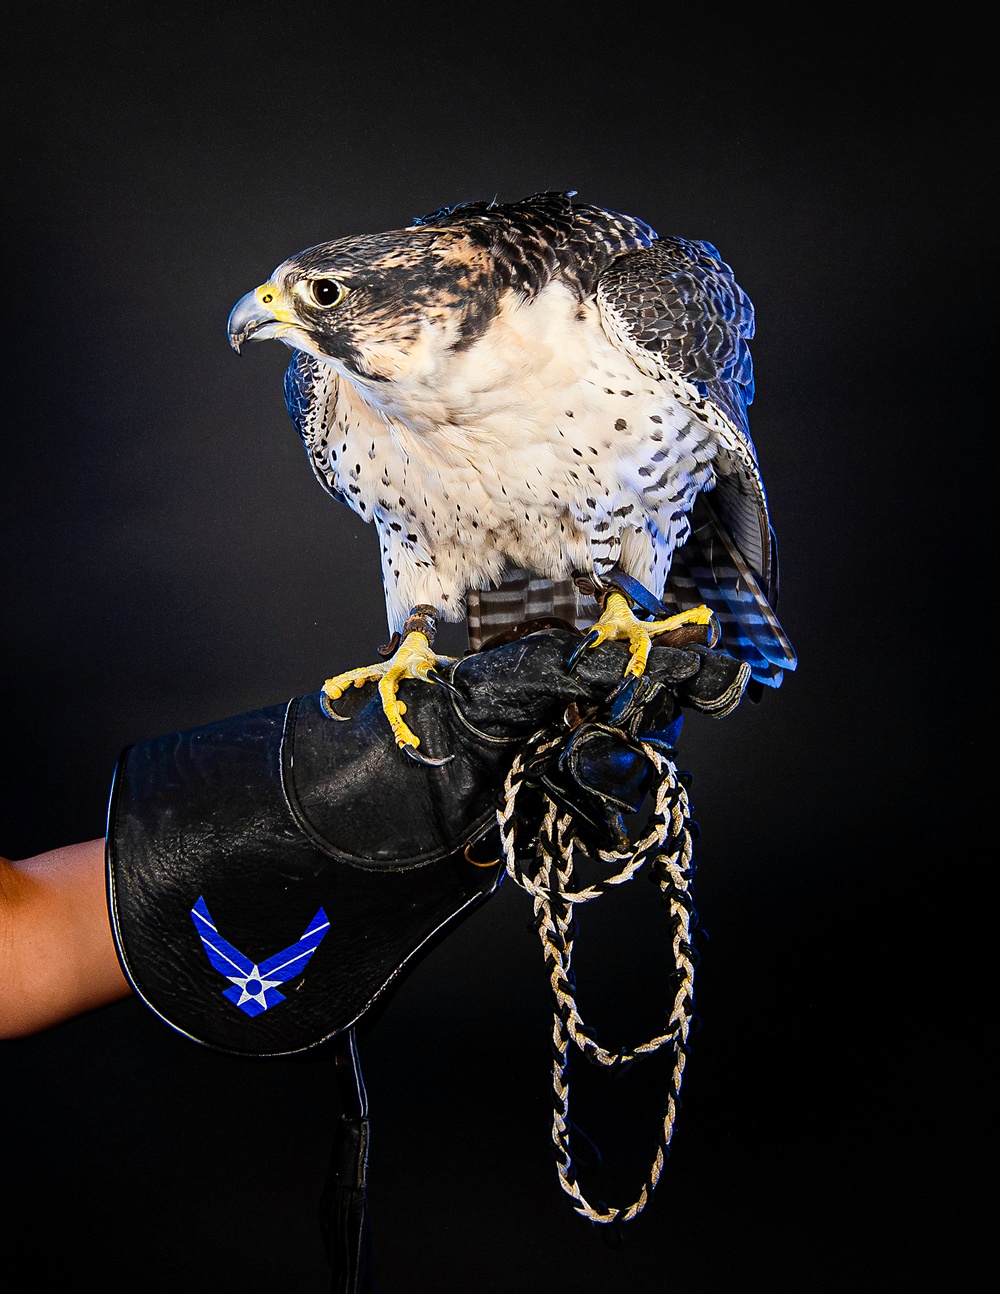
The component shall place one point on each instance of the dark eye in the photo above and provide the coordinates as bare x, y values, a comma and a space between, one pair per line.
327, 292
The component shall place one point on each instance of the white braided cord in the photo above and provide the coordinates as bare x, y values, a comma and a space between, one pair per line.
667, 847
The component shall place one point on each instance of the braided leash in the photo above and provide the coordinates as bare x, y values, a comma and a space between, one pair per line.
667, 848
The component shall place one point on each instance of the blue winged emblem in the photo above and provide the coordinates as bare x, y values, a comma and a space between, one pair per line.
254, 985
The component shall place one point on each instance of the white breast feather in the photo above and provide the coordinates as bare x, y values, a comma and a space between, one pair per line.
542, 446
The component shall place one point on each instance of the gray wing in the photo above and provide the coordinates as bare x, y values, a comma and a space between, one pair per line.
309, 390
677, 311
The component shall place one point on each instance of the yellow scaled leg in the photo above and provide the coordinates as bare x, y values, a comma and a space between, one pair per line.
413, 659
618, 624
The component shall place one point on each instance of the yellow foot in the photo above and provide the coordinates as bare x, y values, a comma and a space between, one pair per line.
618, 624
413, 659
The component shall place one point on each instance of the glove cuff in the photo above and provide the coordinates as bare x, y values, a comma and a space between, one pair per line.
260, 899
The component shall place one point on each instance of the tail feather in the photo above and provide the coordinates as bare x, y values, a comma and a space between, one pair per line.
523, 596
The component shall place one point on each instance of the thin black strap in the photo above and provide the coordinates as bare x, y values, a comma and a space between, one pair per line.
639, 594
345, 1220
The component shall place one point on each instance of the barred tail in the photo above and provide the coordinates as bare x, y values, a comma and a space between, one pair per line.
522, 596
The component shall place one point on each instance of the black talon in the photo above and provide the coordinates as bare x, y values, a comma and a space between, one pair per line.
625, 691
447, 684
326, 705
592, 637
416, 756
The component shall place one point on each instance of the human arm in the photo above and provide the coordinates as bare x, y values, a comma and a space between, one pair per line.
57, 956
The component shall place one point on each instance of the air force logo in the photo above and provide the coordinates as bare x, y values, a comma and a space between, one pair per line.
254, 986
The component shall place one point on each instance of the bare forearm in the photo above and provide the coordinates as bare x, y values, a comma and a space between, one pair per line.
57, 957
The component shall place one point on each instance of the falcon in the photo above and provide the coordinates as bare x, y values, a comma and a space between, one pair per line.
524, 397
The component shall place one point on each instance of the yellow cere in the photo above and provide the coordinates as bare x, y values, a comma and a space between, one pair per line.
267, 294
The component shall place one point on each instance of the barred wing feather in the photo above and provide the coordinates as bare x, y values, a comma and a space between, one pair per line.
677, 311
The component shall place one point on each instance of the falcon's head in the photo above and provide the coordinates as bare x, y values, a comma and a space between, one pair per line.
380, 306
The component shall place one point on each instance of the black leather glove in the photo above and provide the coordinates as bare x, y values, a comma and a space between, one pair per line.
270, 874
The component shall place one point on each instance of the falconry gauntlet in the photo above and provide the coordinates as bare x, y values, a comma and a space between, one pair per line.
269, 875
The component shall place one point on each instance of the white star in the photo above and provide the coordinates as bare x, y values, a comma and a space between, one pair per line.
261, 986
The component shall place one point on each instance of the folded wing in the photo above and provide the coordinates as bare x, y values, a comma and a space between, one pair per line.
677, 311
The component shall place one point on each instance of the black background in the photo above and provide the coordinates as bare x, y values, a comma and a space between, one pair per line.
169, 559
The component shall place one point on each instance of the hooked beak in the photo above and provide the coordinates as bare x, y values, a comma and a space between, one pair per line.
255, 317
